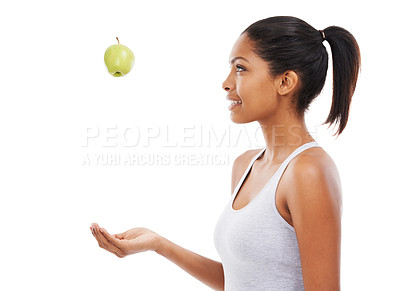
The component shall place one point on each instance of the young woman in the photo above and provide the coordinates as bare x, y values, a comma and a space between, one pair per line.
281, 229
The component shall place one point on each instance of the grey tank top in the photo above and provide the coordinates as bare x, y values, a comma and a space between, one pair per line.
258, 248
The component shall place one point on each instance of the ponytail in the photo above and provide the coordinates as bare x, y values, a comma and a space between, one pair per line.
346, 62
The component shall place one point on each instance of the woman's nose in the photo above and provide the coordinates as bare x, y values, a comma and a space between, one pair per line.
228, 84
225, 86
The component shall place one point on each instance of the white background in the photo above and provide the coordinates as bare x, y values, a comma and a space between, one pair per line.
55, 89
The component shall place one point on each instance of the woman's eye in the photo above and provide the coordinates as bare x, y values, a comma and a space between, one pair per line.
240, 68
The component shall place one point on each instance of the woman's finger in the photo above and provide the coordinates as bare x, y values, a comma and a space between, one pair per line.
111, 238
119, 235
95, 236
105, 244
120, 244
102, 243
98, 236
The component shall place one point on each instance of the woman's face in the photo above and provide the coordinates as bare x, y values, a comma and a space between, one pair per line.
250, 82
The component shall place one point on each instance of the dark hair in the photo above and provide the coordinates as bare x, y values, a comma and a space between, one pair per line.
289, 43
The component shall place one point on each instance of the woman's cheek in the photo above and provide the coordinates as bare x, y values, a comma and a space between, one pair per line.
242, 91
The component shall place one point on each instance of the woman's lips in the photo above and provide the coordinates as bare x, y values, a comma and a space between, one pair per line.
234, 104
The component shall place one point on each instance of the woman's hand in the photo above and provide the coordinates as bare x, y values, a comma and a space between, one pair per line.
130, 242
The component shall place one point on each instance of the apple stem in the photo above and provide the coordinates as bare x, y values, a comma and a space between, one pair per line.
118, 39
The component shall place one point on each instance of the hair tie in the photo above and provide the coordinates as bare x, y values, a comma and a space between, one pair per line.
323, 34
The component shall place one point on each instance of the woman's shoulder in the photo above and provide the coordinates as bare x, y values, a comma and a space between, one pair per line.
315, 157
314, 168
313, 160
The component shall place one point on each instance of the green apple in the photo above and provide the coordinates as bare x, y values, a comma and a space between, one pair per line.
119, 59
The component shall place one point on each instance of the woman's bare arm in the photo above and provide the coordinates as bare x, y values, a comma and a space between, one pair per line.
141, 239
315, 206
208, 271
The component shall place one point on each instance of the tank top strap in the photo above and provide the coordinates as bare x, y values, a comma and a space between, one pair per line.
247, 171
297, 151
281, 168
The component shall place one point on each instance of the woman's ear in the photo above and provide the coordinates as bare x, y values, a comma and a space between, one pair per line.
287, 82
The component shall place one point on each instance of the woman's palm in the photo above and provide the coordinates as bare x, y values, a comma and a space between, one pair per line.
132, 241
137, 240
